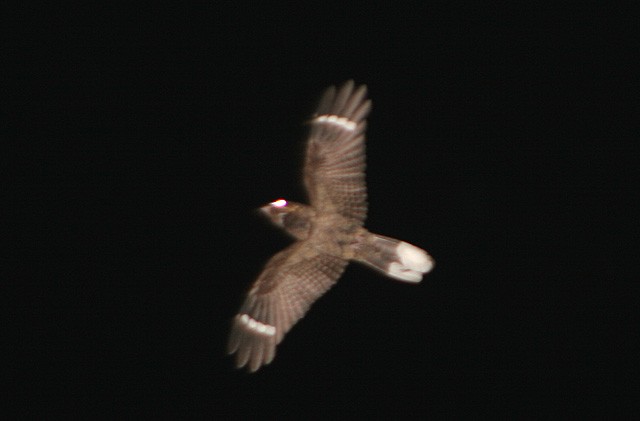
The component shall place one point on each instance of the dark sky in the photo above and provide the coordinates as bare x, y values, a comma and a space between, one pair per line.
150, 134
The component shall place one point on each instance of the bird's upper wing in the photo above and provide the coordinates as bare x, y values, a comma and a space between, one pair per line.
335, 158
290, 282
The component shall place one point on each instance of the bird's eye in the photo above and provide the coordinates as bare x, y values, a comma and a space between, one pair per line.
280, 203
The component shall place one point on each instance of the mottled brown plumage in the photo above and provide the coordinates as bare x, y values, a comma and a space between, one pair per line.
329, 232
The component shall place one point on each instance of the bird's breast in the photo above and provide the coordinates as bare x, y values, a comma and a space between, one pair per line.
299, 226
336, 235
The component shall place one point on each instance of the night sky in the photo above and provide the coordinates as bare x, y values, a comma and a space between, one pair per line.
149, 135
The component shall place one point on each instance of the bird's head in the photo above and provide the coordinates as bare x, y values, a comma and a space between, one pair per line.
294, 218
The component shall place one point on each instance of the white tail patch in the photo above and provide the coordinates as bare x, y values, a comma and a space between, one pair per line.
396, 259
414, 257
256, 326
339, 121
412, 263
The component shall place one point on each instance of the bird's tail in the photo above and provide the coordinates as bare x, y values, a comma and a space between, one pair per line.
397, 259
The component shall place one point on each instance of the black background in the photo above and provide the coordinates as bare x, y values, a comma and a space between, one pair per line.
147, 136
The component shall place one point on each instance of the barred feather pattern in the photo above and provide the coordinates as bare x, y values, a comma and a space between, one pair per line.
334, 171
290, 283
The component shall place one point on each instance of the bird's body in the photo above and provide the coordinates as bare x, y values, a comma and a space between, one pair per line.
329, 232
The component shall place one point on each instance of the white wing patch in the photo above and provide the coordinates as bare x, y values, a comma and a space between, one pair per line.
338, 121
256, 326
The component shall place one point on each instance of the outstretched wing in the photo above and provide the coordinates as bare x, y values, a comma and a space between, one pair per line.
290, 282
335, 158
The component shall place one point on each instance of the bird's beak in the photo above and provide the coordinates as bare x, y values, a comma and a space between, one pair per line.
263, 210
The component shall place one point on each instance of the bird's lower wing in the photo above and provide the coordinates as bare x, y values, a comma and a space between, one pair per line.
291, 281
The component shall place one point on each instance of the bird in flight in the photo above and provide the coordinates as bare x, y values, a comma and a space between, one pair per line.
329, 232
